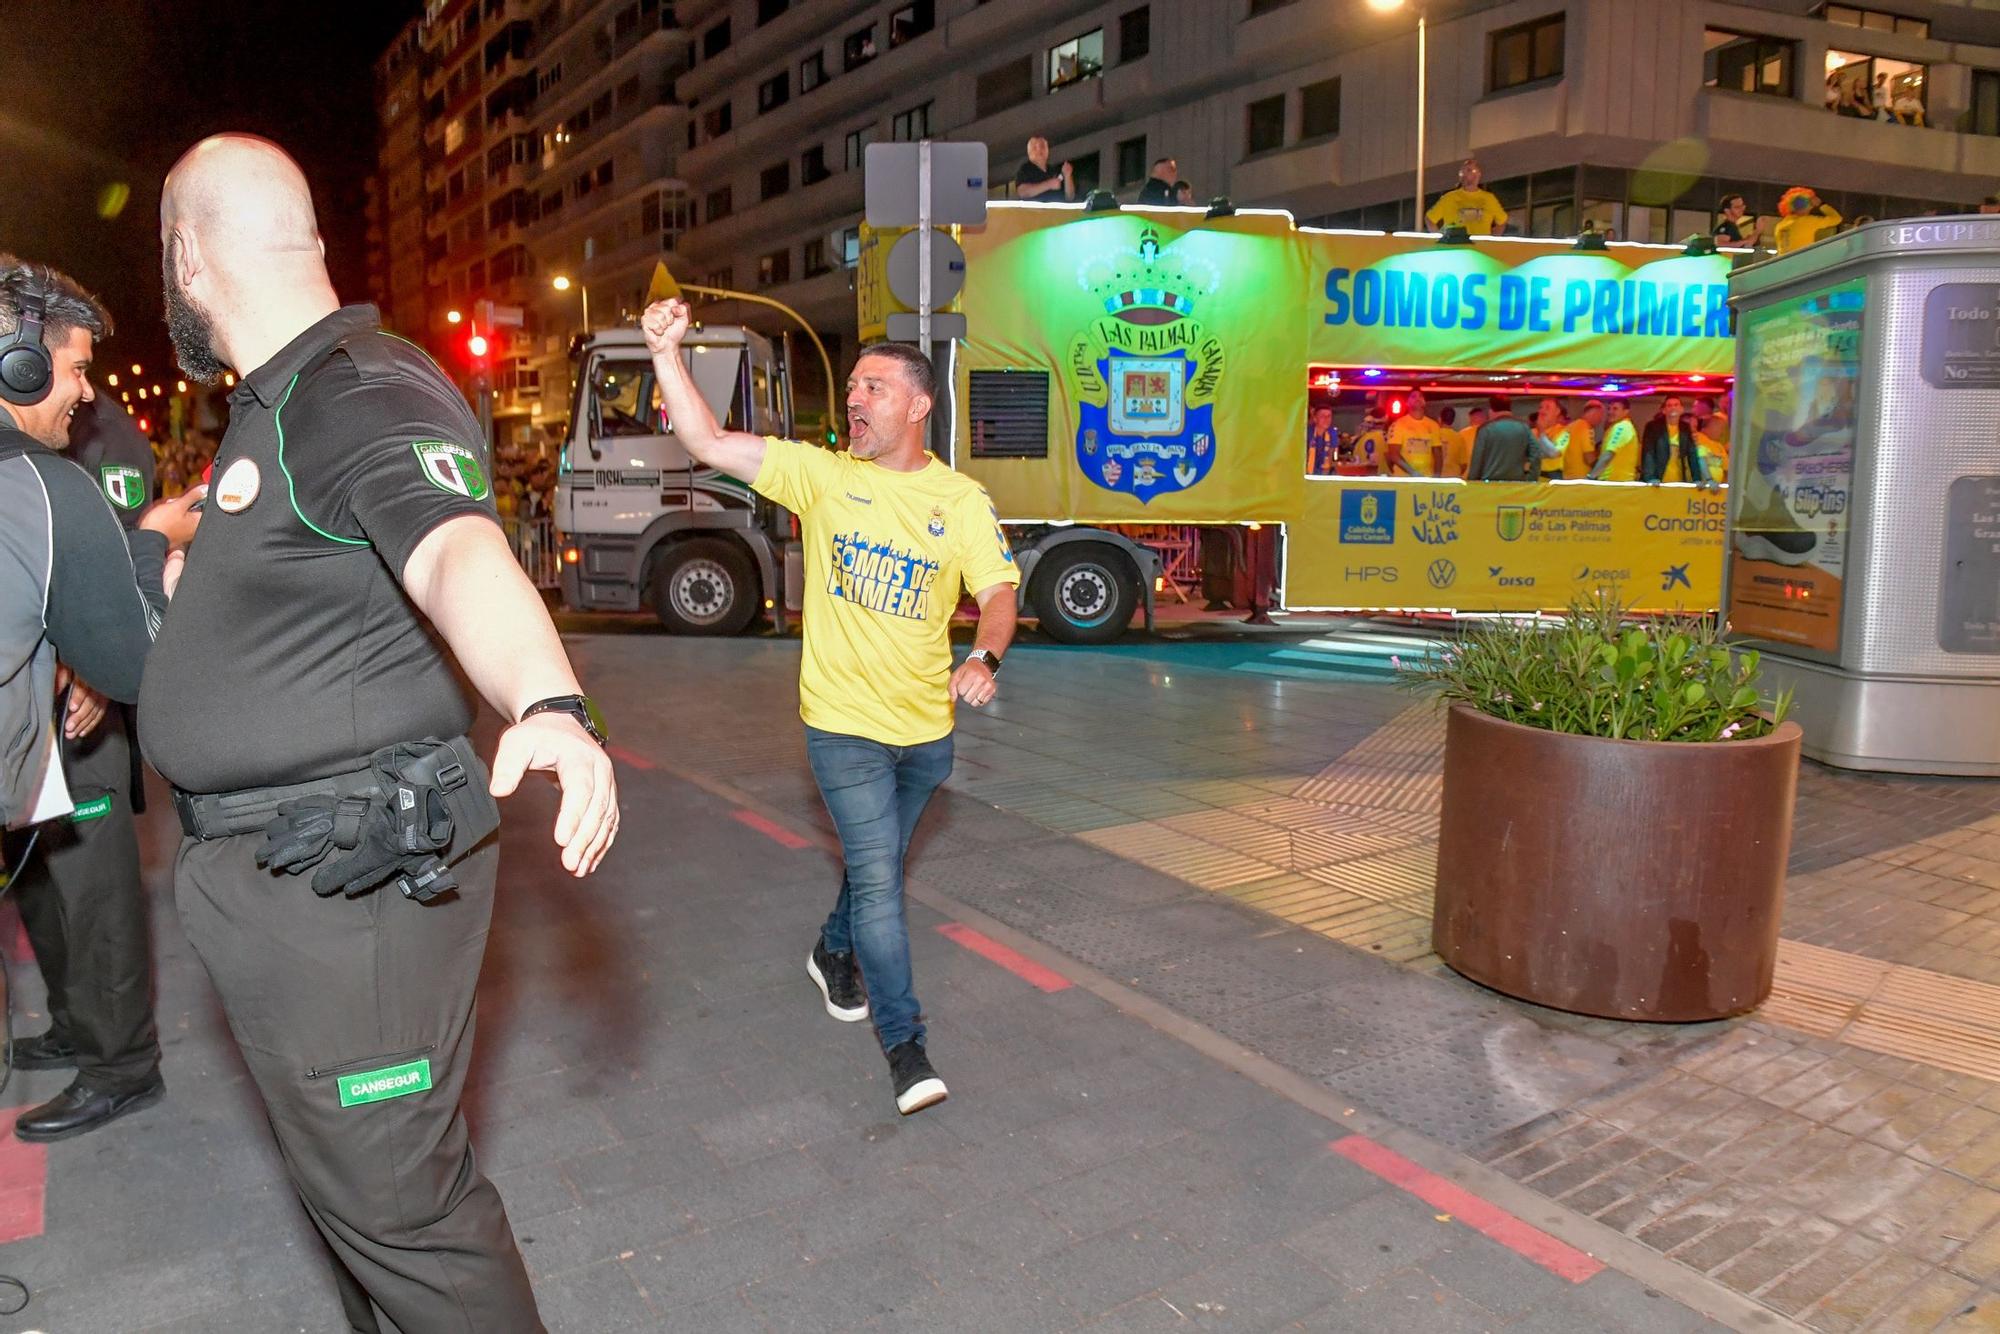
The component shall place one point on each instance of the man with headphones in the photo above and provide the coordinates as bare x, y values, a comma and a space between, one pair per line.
79, 602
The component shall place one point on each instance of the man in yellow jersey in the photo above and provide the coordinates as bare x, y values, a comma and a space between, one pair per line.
1476, 210
1580, 443
1802, 219
1371, 447
890, 535
1416, 441
1457, 444
1711, 438
1618, 460
1552, 426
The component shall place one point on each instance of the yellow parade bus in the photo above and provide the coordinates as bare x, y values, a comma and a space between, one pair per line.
1131, 377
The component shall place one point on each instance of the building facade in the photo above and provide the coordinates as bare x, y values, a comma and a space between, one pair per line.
396, 189
1635, 114
588, 139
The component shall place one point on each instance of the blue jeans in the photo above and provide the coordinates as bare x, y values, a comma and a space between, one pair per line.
876, 793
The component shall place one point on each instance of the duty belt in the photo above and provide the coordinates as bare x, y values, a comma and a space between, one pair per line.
225, 814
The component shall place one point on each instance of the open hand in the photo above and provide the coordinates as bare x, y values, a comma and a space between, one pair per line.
556, 744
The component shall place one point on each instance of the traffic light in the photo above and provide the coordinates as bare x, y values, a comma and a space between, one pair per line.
476, 347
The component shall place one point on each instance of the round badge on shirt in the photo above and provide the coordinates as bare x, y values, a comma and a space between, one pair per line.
238, 486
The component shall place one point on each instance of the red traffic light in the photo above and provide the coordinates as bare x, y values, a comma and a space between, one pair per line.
476, 346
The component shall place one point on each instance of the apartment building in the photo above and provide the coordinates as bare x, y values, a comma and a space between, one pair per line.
1635, 114
395, 234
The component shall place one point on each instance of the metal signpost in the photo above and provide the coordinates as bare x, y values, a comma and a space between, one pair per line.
926, 185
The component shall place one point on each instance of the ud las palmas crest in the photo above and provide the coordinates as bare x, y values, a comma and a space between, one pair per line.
451, 467
1145, 372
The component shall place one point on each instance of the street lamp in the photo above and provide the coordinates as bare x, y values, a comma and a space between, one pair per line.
452, 317
562, 283
1390, 7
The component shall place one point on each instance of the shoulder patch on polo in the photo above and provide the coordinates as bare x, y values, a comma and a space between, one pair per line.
451, 467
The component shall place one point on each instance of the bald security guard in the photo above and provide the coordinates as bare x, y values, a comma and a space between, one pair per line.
81, 898
337, 878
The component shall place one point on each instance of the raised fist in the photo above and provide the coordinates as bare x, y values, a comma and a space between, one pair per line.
665, 323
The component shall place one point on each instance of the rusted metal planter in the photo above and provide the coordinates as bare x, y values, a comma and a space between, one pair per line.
1626, 879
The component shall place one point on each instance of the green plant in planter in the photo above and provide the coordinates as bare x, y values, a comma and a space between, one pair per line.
1598, 672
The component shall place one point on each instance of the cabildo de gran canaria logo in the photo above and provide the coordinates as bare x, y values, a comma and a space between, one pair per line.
1145, 372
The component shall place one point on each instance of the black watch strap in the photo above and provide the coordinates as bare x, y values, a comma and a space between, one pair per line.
580, 707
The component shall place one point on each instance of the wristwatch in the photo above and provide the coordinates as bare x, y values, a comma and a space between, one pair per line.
580, 707
985, 656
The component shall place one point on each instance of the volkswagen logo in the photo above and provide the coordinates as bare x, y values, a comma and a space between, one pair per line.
1442, 573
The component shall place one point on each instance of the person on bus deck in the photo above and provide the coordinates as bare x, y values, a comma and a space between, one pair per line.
1551, 433
1666, 447
1038, 181
1416, 441
1159, 187
1618, 459
1475, 209
1734, 226
1802, 219
1457, 444
1712, 423
1372, 444
1322, 442
1506, 448
1580, 442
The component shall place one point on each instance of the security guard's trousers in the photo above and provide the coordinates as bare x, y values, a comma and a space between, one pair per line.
355, 1017
87, 921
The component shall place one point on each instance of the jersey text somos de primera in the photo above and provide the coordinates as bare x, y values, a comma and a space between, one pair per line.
290, 651
886, 555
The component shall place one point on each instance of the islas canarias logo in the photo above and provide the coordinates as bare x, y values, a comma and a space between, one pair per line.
1145, 372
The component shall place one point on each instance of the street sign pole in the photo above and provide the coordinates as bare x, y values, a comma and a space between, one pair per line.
924, 245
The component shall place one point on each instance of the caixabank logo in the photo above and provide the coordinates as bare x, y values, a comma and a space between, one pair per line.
1145, 371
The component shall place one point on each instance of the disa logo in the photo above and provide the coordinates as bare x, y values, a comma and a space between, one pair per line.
1145, 372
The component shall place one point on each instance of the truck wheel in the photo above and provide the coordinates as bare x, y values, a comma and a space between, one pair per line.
1085, 593
704, 586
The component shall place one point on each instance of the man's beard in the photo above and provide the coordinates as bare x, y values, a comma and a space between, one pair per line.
191, 330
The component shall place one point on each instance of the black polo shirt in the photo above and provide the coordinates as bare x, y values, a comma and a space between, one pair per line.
107, 444
289, 651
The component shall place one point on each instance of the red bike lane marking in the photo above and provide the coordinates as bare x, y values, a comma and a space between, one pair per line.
1020, 965
24, 1179
1524, 1239
631, 759
770, 829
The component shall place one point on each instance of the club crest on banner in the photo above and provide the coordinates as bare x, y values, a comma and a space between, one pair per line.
1145, 371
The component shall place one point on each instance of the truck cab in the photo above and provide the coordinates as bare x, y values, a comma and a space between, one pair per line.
641, 523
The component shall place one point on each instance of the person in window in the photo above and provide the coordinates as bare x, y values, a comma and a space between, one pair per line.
1322, 442
1472, 208
1802, 220
1907, 105
1038, 181
1580, 441
1735, 226
1184, 194
1618, 459
1416, 442
1552, 434
1159, 187
1667, 450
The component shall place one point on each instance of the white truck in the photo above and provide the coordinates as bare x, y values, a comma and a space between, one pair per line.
641, 525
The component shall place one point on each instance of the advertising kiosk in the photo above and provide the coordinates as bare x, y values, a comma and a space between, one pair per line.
1863, 556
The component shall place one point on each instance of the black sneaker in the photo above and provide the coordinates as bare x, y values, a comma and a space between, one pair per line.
839, 983
44, 1051
917, 1085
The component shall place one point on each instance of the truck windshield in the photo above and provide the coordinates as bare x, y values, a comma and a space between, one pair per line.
627, 402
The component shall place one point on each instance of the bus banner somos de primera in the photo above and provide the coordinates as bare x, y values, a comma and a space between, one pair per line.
1175, 352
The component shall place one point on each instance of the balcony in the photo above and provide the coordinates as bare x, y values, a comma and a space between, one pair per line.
1837, 152
1285, 176
1517, 115
1059, 115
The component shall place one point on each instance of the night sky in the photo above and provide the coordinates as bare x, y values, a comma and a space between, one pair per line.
114, 90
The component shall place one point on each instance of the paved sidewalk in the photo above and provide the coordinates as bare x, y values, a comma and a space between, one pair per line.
685, 1141
1836, 1159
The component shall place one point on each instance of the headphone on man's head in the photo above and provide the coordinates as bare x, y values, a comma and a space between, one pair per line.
26, 369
